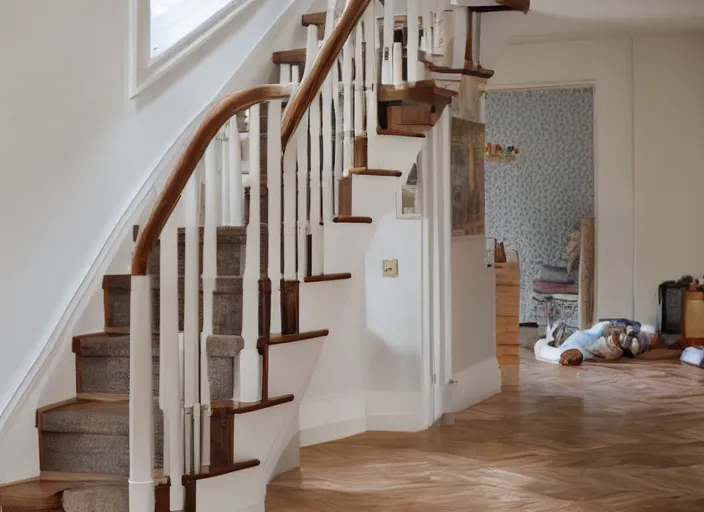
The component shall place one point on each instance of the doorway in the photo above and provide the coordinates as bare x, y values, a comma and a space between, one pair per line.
539, 160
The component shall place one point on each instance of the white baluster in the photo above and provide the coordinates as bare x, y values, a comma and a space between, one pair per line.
371, 78
236, 202
459, 36
359, 80
428, 29
387, 48
339, 135
477, 39
347, 97
398, 63
210, 250
448, 36
316, 229
250, 364
225, 176
413, 38
141, 480
302, 154
191, 327
274, 219
328, 145
170, 390
290, 201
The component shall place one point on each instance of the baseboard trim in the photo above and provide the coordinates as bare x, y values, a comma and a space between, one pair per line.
398, 412
337, 417
475, 384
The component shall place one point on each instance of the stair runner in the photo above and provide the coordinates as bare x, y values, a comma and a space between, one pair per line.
91, 434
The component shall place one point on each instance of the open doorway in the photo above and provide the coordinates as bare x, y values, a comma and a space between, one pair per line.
539, 161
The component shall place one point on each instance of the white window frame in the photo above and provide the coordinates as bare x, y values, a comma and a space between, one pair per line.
145, 70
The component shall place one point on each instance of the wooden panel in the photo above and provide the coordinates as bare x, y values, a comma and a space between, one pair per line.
508, 360
162, 498
360, 151
507, 301
289, 307
507, 274
508, 353
510, 375
297, 56
345, 196
586, 274
694, 315
222, 438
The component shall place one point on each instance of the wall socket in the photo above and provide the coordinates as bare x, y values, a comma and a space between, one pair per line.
390, 268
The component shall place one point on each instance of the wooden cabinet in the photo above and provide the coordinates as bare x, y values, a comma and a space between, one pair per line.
507, 321
692, 318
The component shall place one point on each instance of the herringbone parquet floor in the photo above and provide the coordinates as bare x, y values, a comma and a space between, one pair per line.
627, 436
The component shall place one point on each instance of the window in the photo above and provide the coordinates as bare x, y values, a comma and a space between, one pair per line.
165, 31
172, 20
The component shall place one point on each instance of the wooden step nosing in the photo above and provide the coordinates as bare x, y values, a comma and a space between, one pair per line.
237, 466
244, 408
352, 219
290, 338
363, 171
321, 278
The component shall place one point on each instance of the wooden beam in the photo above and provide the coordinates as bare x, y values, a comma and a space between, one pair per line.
469, 49
516, 5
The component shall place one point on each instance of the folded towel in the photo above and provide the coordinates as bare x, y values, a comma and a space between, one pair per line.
555, 275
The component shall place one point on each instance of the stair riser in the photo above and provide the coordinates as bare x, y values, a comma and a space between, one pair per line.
93, 453
230, 259
227, 309
111, 375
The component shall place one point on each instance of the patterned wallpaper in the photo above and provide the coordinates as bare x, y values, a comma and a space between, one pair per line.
534, 203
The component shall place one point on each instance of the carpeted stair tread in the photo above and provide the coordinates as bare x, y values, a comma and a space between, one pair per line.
92, 437
118, 345
231, 251
227, 303
104, 418
104, 367
97, 498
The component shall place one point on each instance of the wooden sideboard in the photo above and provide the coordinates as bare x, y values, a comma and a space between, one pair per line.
507, 321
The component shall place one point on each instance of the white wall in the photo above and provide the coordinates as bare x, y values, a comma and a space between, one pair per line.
647, 105
369, 374
668, 185
76, 152
473, 304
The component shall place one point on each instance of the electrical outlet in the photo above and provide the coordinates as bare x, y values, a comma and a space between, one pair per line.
390, 268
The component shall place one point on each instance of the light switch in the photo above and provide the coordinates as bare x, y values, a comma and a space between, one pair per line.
390, 268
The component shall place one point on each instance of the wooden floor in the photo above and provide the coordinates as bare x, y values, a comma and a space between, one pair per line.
627, 436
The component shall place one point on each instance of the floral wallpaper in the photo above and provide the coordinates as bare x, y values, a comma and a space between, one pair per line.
534, 202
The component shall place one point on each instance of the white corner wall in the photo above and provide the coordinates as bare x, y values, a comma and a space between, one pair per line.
668, 182
77, 154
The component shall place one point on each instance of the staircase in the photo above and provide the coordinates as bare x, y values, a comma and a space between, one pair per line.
189, 396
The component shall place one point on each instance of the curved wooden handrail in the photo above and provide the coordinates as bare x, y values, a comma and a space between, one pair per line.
216, 118
230, 106
313, 80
